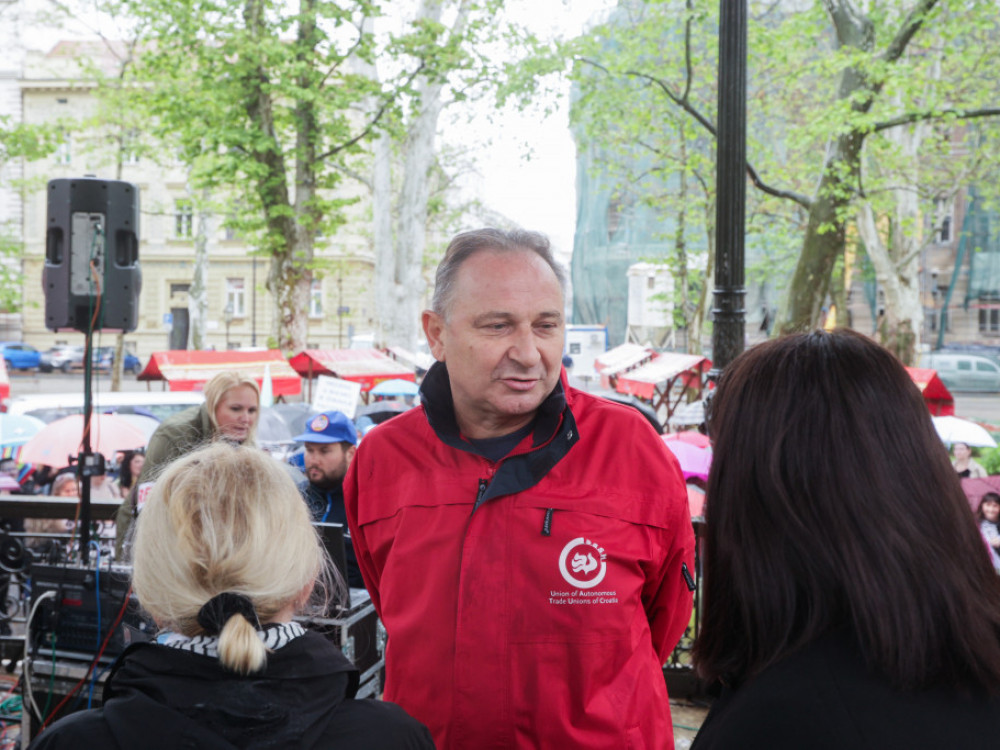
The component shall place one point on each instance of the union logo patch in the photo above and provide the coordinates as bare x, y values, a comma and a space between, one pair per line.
319, 423
583, 563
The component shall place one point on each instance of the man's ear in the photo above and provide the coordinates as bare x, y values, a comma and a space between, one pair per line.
434, 331
349, 452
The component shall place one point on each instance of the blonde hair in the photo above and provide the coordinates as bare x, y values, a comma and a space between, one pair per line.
218, 387
225, 519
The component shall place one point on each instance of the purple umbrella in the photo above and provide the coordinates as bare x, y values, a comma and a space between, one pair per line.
694, 461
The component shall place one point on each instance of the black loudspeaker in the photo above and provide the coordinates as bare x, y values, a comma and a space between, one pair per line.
92, 278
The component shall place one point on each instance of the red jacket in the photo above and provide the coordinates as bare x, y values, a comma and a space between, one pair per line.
529, 602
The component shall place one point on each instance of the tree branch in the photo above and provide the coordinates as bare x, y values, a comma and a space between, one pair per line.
910, 117
372, 123
910, 26
686, 106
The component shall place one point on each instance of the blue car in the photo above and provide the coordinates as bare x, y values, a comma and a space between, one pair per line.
105, 355
19, 356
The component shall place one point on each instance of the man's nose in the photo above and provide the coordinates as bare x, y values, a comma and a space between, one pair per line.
524, 348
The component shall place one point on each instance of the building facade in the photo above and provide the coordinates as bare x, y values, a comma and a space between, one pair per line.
241, 312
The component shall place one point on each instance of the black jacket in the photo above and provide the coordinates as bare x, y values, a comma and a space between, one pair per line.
162, 698
824, 698
327, 506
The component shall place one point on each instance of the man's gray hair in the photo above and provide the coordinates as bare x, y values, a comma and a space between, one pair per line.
465, 245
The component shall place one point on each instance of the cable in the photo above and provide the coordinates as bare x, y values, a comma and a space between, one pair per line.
97, 581
104, 645
52, 680
26, 662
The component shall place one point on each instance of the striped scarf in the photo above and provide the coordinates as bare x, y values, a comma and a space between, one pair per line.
274, 637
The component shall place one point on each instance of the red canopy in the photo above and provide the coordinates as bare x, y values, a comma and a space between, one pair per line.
936, 394
665, 375
189, 370
4, 385
366, 366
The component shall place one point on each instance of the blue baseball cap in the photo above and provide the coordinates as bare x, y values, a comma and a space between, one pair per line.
329, 427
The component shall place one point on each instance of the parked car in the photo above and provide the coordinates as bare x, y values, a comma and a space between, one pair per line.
61, 357
67, 358
19, 356
964, 372
104, 355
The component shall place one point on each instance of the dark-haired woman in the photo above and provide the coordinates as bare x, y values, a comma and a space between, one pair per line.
128, 472
848, 602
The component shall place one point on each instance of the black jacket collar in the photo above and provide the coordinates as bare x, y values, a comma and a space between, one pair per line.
554, 434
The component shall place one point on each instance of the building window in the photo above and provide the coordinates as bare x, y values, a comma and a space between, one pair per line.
64, 148
989, 320
236, 297
943, 219
316, 299
183, 219
179, 289
130, 147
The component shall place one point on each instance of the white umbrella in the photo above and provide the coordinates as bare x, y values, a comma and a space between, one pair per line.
953, 430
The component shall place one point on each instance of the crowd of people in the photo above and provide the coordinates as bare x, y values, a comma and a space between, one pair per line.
529, 550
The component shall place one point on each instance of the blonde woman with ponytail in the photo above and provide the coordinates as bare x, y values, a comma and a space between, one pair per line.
225, 555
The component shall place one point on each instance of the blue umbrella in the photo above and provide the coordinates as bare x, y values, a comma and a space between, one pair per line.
395, 387
18, 429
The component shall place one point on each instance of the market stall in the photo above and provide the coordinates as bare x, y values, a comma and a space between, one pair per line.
369, 367
667, 381
185, 370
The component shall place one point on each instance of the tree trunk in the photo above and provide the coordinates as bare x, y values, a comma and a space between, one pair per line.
198, 292
826, 230
400, 282
385, 250
290, 242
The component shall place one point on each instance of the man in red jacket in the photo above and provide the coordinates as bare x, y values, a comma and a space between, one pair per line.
526, 545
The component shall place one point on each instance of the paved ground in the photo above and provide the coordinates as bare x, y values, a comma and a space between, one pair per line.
688, 717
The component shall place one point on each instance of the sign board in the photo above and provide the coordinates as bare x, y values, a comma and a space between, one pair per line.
585, 343
334, 393
168, 321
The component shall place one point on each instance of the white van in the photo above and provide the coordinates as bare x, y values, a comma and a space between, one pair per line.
964, 372
51, 406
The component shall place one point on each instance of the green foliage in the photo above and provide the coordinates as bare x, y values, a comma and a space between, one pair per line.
990, 460
11, 277
818, 107
26, 141
271, 105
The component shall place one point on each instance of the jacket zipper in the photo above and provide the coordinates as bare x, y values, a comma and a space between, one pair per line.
547, 523
483, 484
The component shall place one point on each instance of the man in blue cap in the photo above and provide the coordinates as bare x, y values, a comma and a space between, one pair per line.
330, 440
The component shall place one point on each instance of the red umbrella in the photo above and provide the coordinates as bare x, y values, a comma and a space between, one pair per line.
690, 436
57, 441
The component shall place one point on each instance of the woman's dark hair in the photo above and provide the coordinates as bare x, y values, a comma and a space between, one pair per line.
989, 497
832, 505
125, 478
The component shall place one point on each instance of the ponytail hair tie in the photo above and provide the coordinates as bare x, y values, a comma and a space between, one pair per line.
215, 613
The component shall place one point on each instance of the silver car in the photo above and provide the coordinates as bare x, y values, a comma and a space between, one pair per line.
964, 372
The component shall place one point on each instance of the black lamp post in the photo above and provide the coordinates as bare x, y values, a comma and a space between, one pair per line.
728, 313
